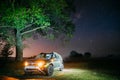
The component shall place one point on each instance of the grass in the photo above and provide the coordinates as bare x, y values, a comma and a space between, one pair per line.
79, 74
84, 70
80, 71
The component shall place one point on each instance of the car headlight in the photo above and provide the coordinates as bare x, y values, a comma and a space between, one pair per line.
41, 63
26, 63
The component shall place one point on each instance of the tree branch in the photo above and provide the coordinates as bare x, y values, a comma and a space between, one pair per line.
30, 31
11, 27
29, 25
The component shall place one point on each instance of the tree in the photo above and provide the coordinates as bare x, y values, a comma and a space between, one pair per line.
6, 43
87, 54
47, 17
75, 54
6, 51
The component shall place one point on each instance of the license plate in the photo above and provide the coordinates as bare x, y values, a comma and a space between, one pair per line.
31, 67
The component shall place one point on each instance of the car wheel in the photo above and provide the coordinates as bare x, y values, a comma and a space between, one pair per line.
50, 70
61, 68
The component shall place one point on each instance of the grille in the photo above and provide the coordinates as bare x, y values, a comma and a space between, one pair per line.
31, 69
32, 64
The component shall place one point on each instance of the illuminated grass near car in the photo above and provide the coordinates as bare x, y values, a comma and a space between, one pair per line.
81, 74
72, 71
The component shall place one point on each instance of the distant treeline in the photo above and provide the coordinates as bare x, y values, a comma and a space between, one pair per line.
76, 54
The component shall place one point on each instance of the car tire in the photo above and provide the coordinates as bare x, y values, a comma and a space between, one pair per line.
61, 68
49, 70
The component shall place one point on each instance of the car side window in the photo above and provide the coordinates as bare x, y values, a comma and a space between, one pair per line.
57, 56
54, 56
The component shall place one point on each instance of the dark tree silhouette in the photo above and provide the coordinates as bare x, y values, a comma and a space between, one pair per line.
75, 54
6, 51
87, 54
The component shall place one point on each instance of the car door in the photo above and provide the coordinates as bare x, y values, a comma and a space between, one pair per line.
56, 61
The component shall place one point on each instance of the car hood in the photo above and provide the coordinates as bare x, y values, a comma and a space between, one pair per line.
36, 60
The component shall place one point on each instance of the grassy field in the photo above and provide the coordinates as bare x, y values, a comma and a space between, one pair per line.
83, 70
80, 71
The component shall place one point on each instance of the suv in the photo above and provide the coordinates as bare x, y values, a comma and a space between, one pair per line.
44, 63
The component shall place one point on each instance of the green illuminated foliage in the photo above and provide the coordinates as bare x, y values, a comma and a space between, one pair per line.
48, 17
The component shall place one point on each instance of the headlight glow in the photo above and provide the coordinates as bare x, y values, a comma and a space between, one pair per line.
41, 63
26, 63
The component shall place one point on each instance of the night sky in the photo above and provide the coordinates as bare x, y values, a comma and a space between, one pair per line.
97, 31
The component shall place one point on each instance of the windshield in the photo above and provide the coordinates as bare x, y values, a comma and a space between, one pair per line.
44, 55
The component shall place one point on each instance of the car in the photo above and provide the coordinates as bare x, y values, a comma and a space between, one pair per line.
44, 63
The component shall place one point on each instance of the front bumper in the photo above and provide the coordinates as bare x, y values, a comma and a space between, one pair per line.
34, 69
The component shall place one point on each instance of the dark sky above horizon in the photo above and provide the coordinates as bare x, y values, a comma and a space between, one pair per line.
97, 31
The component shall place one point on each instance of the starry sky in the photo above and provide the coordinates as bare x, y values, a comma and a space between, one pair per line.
97, 31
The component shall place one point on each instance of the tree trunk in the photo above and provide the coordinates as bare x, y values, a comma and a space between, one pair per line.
19, 46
